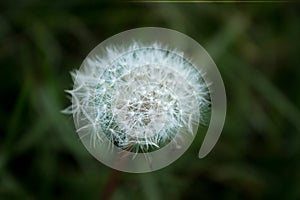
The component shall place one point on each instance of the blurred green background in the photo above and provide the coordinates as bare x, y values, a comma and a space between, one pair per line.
256, 47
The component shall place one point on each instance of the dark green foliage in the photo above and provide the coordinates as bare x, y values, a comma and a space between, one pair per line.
256, 47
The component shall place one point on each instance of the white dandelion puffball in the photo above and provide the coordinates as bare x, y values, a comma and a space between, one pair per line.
138, 99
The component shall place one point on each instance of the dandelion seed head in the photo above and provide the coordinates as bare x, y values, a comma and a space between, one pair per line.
138, 96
